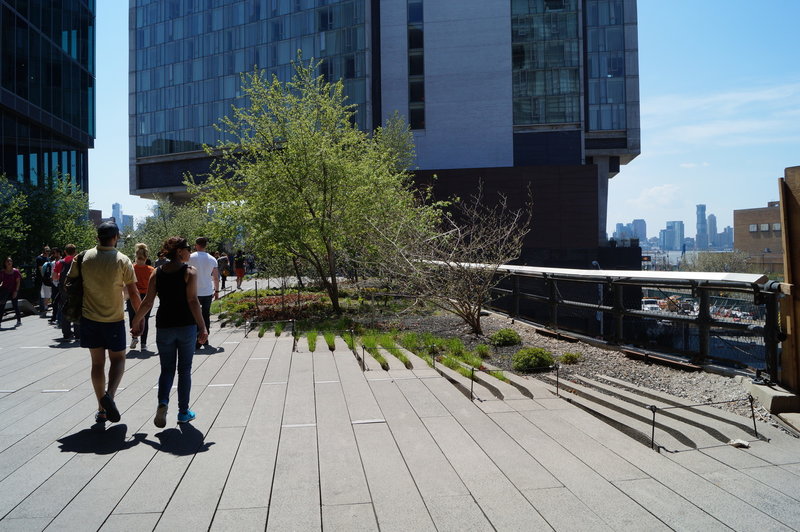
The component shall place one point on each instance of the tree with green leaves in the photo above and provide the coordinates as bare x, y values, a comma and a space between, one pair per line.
13, 228
722, 261
168, 219
300, 179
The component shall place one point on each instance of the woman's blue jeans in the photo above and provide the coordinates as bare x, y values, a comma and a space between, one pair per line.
176, 346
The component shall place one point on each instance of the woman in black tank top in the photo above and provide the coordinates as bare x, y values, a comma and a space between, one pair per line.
179, 324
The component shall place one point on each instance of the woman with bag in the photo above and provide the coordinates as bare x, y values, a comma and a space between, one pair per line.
178, 321
143, 273
9, 288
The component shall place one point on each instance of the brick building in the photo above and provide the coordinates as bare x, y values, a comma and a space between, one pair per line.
757, 232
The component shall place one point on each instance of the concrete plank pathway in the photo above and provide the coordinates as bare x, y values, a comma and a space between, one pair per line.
307, 441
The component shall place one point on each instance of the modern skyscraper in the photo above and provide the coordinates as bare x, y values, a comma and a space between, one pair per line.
712, 230
116, 212
640, 229
539, 93
701, 238
671, 238
47, 101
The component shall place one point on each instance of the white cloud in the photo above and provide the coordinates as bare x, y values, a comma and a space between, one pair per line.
659, 196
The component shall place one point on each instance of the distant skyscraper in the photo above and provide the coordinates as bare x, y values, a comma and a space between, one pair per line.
47, 99
673, 239
712, 230
127, 223
701, 239
640, 230
116, 212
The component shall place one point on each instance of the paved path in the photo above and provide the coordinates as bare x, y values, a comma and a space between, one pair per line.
304, 441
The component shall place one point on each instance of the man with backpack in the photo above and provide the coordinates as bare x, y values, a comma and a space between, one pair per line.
49, 292
37, 277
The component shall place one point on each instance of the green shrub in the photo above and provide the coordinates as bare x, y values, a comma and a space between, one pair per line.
454, 346
410, 341
497, 374
349, 340
279, 328
311, 336
505, 337
530, 359
570, 358
263, 329
483, 350
330, 339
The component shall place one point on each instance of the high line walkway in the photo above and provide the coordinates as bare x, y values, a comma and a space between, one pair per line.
294, 440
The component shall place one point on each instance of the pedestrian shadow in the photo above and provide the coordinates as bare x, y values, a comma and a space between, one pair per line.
95, 440
141, 353
182, 440
209, 350
65, 344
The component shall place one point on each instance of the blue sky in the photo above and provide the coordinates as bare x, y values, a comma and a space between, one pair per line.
720, 110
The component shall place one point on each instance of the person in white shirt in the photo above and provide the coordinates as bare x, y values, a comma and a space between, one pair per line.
207, 279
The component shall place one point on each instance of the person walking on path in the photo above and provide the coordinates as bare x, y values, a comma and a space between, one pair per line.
207, 279
143, 272
47, 292
69, 330
37, 277
179, 324
223, 267
10, 278
105, 272
238, 265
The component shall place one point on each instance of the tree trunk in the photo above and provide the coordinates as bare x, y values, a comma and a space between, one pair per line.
297, 272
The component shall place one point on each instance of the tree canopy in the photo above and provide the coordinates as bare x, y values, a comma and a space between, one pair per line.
299, 178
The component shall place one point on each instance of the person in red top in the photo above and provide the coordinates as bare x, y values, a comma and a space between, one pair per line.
143, 272
9, 288
70, 331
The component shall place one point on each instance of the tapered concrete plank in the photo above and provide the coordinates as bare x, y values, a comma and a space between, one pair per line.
523, 405
360, 402
325, 367
342, 478
433, 474
393, 361
349, 517
130, 522
250, 481
422, 400
160, 477
457, 513
736, 458
793, 468
341, 345
491, 407
239, 404
672, 509
552, 403
397, 502
279, 362
24, 525
295, 503
25, 480
518, 465
563, 510
193, 504
608, 464
59, 489
426, 373
504, 506
299, 407
710, 498
767, 499
239, 519
400, 374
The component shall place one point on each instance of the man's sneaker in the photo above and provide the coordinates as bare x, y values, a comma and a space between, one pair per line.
111, 408
143, 347
100, 417
185, 417
134, 341
160, 420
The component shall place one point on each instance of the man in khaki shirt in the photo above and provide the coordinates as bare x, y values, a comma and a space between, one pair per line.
105, 272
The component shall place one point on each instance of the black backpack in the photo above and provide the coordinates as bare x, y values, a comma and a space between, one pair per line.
47, 273
72, 291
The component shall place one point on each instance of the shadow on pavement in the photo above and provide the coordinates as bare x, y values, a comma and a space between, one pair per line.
95, 440
141, 353
209, 350
182, 440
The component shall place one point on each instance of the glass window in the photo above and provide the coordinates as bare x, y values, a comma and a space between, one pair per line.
776, 227
414, 12
753, 228
416, 118
415, 38
764, 227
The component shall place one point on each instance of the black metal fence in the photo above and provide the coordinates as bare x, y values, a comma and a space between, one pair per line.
729, 319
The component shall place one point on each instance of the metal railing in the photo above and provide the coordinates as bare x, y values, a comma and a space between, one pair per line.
731, 319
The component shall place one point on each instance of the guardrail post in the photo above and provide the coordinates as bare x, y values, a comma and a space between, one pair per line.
704, 323
653, 408
552, 295
515, 295
771, 333
472, 384
619, 310
753, 414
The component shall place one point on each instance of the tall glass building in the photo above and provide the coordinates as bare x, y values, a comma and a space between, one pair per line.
47, 99
539, 94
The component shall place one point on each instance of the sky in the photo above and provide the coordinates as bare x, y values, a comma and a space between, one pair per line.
720, 111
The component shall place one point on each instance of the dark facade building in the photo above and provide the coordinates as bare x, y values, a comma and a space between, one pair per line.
47, 99
538, 95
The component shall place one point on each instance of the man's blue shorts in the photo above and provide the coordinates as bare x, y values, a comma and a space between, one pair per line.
96, 334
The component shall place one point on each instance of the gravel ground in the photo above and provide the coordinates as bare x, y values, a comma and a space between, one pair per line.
695, 386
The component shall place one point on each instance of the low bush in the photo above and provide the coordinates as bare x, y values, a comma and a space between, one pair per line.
311, 336
330, 339
505, 337
529, 359
483, 350
279, 328
570, 358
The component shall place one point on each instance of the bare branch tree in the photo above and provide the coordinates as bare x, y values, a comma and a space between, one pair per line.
455, 268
